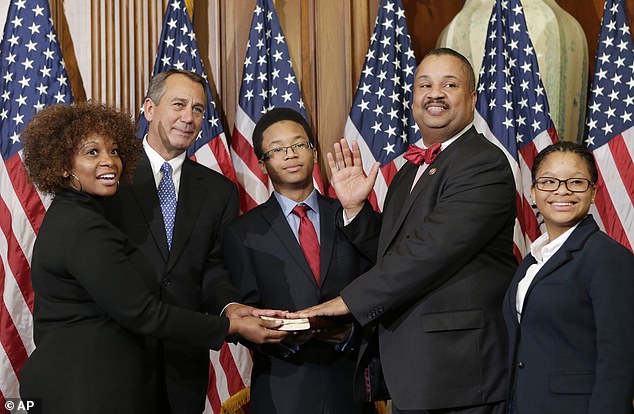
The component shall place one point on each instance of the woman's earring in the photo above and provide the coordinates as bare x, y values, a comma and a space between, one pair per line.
78, 182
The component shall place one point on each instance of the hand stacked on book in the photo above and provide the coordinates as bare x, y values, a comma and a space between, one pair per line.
332, 330
315, 323
328, 322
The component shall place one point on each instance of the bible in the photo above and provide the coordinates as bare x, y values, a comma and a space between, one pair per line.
303, 324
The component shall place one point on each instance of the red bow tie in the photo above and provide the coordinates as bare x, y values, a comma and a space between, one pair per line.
418, 155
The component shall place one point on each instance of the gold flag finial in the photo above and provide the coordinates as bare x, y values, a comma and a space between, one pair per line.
190, 9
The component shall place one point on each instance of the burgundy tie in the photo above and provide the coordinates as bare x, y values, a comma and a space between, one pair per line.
418, 155
308, 239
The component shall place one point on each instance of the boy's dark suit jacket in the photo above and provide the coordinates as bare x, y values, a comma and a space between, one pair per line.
192, 275
269, 267
573, 352
445, 259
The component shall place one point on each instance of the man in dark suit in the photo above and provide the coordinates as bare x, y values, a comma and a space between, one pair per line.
187, 251
265, 250
444, 252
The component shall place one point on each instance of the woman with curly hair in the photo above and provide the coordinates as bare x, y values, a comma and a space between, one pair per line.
92, 307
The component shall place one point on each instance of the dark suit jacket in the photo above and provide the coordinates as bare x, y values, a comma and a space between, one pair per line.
573, 352
267, 264
445, 259
192, 275
92, 308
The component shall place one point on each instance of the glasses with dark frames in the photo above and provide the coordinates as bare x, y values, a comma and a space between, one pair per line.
551, 184
278, 151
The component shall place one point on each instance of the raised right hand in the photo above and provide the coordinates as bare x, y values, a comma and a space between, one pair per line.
348, 178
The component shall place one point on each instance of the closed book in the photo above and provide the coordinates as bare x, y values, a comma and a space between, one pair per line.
302, 324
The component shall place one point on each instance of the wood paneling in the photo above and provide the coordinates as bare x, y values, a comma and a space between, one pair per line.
68, 51
123, 40
426, 19
332, 50
235, 17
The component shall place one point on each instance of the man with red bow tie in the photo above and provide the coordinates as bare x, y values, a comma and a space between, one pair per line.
444, 254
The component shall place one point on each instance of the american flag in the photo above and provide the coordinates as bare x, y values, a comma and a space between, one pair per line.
610, 125
512, 109
230, 368
268, 81
178, 49
32, 76
380, 119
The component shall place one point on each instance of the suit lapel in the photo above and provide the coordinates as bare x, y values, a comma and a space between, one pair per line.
393, 213
327, 231
408, 199
272, 213
512, 295
190, 201
574, 242
144, 190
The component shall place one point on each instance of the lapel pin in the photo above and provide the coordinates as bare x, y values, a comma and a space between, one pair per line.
432, 171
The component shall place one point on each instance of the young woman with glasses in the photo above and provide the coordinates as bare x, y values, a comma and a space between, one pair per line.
570, 307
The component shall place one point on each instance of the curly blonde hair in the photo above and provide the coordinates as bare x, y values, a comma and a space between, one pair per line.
53, 136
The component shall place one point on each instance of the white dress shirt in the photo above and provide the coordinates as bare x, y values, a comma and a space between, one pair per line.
156, 161
542, 249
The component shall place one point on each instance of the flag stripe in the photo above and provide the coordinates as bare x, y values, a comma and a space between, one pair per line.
612, 199
215, 156
608, 213
17, 295
250, 187
9, 335
213, 394
243, 148
219, 159
234, 380
235, 361
9, 384
623, 165
610, 125
10, 339
244, 362
28, 198
24, 206
16, 261
252, 184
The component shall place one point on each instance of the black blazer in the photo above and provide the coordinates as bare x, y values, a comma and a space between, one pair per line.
192, 275
573, 352
444, 261
267, 264
92, 306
